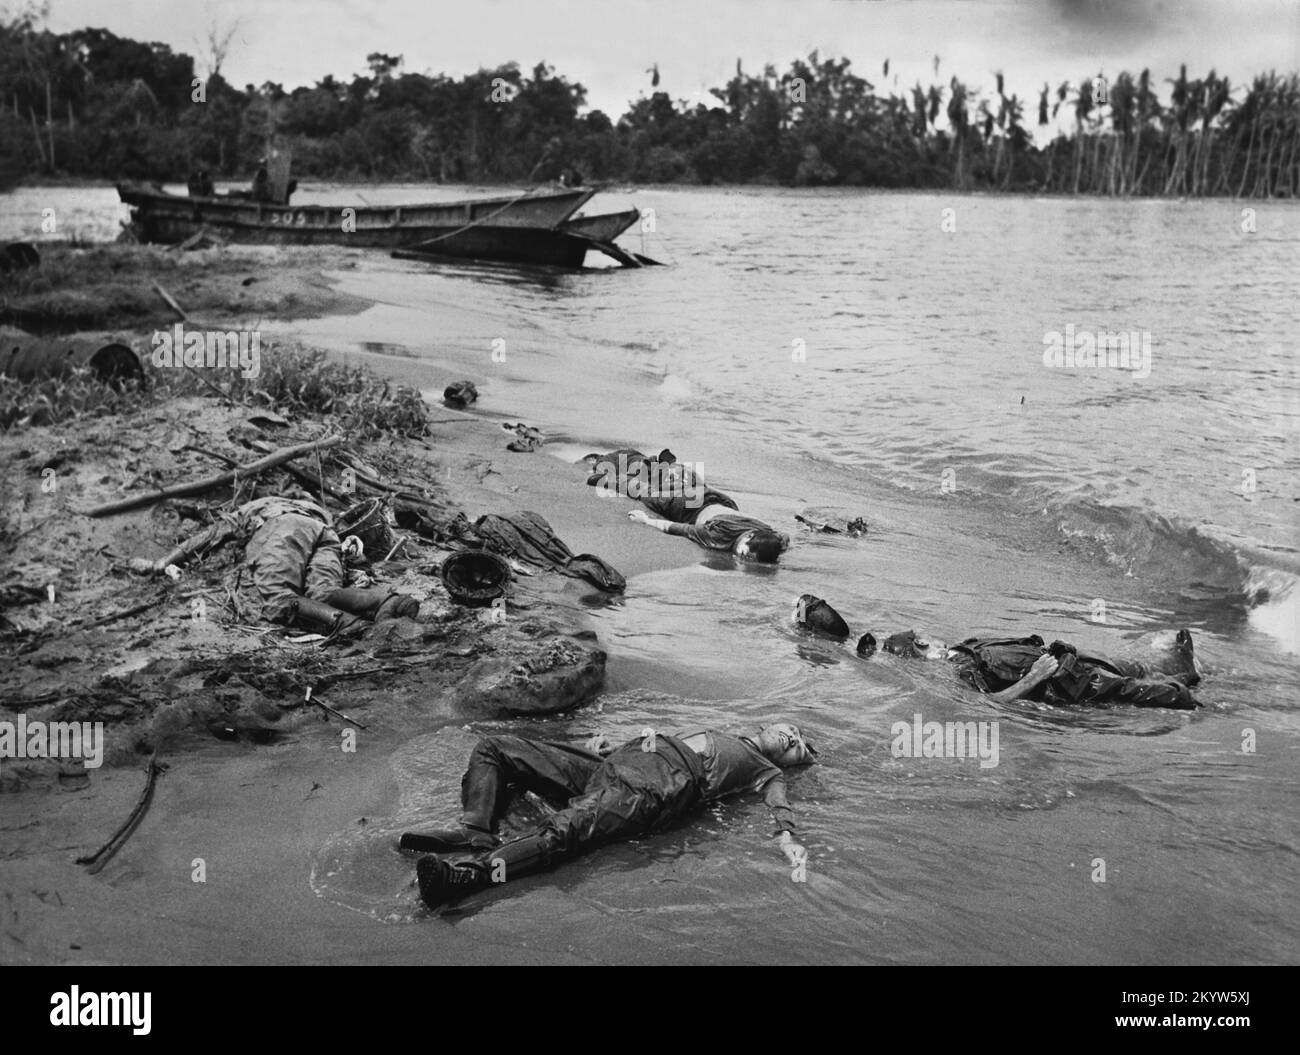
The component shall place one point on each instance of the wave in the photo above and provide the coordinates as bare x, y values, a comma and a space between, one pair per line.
676, 389
1208, 560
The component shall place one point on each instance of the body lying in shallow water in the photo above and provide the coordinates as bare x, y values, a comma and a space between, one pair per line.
610, 793
1160, 672
683, 504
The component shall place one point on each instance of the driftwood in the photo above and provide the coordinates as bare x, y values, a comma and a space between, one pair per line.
364, 477
104, 854
303, 477
211, 482
365, 672
375, 484
126, 613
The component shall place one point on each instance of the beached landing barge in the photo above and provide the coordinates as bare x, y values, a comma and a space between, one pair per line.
536, 227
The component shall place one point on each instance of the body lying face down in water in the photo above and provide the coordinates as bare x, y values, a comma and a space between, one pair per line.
683, 504
608, 794
1009, 669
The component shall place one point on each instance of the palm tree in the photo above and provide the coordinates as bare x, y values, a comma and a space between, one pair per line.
957, 121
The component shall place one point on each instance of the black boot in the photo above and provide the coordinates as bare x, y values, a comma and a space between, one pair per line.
373, 603
307, 613
442, 881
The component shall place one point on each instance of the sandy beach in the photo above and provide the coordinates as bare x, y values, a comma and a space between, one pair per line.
256, 814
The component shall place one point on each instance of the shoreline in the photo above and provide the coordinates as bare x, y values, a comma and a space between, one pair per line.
297, 837
254, 844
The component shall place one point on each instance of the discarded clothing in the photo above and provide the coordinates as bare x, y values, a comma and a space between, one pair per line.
420, 518
527, 439
459, 394
529, 537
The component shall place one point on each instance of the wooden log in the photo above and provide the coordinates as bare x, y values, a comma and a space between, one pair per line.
211, 482
126, 613
304, 478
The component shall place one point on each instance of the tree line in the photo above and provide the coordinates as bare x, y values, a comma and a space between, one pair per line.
91, 104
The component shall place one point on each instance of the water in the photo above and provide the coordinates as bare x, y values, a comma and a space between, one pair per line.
1004, 496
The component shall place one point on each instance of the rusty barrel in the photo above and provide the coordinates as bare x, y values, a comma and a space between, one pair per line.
25, 358
18, 256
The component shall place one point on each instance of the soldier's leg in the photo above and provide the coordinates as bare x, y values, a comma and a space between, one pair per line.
555, 771
631, 793
498, 764
1140, 692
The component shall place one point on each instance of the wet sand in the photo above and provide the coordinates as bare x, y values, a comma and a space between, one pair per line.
256, 815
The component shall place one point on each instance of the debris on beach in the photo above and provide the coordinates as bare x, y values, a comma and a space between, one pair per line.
460, 394
527, 439
96, 861
529, 537
474, 578
832, 522
27, 358
18, 256
130, 600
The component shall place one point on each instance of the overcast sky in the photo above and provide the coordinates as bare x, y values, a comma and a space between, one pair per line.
608, 45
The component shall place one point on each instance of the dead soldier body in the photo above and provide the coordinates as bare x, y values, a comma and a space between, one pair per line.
610, 793
298, 567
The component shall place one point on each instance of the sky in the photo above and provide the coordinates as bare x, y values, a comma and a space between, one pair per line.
610, 45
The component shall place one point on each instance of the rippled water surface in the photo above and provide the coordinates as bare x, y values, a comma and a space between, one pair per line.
838, 349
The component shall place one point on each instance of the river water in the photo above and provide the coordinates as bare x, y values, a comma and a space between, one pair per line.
845, 350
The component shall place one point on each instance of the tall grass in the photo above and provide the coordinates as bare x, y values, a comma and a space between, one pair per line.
292, 382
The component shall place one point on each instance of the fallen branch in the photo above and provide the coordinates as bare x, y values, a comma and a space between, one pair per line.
38, 524
306, 479
320, 479
330, 679
104, 854
16, 704
126, 613
374, 482
299, 474
211, 482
